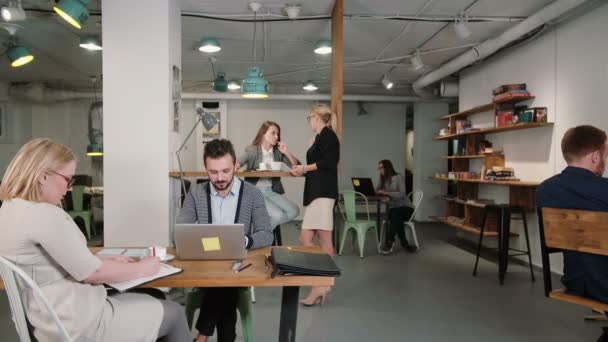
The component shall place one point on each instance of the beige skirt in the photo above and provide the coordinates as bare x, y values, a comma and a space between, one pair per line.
319, 214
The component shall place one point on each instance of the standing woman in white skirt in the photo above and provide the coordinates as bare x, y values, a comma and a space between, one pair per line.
320, 188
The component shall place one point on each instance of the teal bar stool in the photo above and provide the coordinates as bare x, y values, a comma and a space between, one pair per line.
359, 227
78, 210
245, 307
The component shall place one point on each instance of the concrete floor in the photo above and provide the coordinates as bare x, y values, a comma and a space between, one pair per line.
428, 296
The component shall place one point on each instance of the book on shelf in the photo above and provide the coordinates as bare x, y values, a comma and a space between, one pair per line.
508, 87
510, 95
463, 126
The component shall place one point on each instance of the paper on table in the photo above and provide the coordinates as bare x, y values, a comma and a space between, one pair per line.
131, 252
164, 271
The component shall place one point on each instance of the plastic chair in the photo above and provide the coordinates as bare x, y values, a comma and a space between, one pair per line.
410, 228
10, 273
195, 297
360, 227
78, 208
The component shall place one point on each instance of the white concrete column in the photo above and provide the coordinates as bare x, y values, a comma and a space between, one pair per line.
141, 43
427, 157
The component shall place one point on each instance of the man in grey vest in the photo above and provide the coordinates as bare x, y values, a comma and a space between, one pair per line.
225, 199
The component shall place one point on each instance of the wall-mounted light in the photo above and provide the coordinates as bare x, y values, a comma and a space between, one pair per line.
460, 26
220, 83
209, 45
90, 43
13, 12
388, 84
310, 86
254, 86
416, 60
323, 47
19, 55
74, 12
234, 85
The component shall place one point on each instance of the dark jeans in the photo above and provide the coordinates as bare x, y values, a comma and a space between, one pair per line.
219, 309
397, 216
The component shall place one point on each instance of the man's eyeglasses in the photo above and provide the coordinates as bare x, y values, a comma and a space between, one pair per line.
68, 180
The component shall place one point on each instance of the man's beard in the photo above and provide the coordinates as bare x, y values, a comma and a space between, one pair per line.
220, 186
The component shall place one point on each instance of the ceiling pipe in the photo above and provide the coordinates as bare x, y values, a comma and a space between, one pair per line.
487, 48
39, 93
318, 97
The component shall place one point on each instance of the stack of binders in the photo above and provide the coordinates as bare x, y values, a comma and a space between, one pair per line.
286, 261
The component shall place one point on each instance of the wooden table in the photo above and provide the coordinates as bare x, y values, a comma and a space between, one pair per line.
261, 174
218, 273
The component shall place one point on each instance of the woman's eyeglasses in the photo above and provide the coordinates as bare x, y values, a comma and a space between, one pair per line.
68, 180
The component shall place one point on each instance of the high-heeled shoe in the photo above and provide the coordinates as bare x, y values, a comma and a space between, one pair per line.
316, 296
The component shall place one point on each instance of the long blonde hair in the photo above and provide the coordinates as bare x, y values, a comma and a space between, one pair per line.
325, 114
32, 160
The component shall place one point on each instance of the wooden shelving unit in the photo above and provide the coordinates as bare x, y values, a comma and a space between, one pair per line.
477, 156
521, 193
513, 182
514, 127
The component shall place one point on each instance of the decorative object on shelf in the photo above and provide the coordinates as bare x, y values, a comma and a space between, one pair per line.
508, 87
444, 131
540, 114
463, 126
482, 146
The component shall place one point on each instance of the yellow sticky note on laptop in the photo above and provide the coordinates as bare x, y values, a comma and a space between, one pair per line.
356, 182
211, 244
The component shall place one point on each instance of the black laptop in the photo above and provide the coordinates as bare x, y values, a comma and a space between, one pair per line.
364, 186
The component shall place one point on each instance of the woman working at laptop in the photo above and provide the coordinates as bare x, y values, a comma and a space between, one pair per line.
266, 149
392, 184
42, 240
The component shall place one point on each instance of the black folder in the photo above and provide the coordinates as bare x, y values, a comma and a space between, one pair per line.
286, 261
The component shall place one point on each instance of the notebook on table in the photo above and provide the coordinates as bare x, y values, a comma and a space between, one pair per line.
164, 271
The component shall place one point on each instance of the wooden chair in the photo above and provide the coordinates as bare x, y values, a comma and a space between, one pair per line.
573, 230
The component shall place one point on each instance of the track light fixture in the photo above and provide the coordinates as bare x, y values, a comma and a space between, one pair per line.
13, 12
460, 26
234, 85
310, 86
388, 84
90, 43
323, 47
416, 60
209, 45
74, 12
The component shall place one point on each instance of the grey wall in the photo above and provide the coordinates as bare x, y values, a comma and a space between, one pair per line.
366, 139
567, 70
427, 153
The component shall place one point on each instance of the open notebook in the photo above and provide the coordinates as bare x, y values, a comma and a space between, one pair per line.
164, 271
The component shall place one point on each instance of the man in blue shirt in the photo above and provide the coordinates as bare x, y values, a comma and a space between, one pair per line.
225, 199
581, 186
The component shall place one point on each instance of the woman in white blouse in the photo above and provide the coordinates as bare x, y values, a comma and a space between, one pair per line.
42, 239
267, 148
